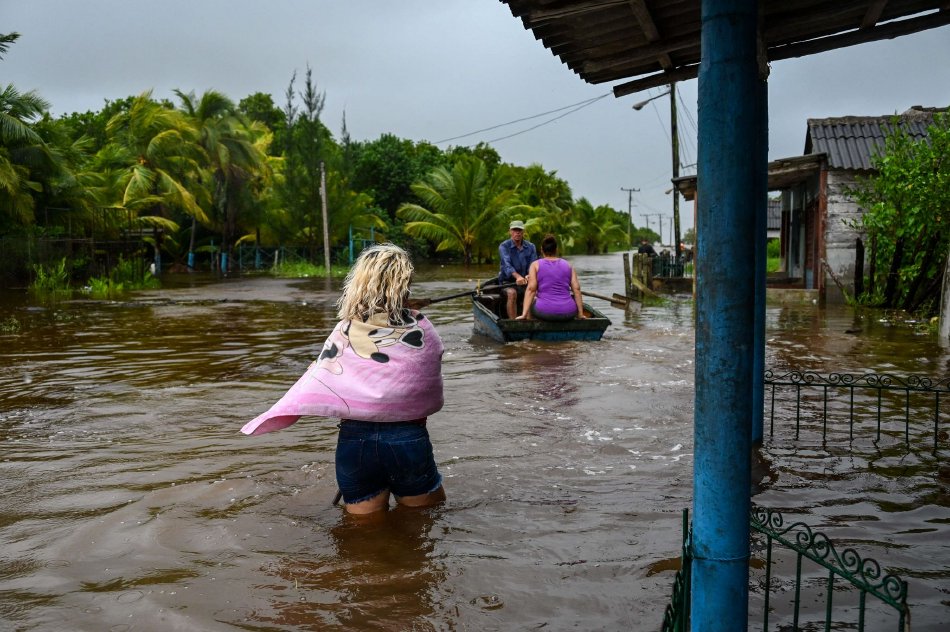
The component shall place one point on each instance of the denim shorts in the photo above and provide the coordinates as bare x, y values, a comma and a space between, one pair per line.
375, 457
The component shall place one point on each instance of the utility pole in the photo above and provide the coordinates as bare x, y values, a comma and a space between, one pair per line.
630, 193
326, 227
647, 216
674, 135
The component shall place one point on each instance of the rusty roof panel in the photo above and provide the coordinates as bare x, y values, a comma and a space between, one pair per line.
851, 141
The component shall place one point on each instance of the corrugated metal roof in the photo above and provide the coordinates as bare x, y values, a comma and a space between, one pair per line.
654, 42
774, 220
851, 141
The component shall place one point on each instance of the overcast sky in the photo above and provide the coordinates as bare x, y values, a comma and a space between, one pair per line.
437, 69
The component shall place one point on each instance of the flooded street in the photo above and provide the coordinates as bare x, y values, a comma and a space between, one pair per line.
130, 501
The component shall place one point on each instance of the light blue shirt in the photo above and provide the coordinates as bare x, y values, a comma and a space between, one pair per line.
515, 260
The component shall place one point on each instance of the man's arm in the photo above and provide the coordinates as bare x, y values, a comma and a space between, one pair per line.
505, 257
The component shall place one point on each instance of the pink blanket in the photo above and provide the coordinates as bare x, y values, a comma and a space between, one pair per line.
369, 371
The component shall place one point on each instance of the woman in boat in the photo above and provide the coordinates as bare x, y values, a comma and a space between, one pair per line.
380, 373
553, 292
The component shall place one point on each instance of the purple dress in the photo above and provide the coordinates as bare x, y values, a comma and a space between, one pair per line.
554, 289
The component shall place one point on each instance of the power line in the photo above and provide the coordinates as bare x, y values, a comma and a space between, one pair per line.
576, 106
580, 107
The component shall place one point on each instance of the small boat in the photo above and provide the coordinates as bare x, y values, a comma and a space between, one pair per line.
489, 307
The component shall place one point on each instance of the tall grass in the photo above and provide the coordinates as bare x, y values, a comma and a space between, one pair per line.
305, 269
126, 276
773, 256
52, 281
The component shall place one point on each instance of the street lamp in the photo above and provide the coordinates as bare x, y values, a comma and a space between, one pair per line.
641, 104
674, 140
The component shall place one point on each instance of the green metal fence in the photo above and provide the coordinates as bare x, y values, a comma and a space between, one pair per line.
676, 615
843, 581
833, 594
884, 404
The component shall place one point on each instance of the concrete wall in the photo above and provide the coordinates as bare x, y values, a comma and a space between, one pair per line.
840, 236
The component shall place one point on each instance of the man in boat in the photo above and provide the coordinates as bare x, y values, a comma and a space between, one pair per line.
516, 255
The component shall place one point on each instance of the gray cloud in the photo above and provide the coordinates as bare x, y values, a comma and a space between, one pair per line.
433, 69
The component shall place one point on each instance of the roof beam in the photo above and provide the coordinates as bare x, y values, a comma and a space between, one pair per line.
875, 9
642, 13
889, 30
538, 17
654, 81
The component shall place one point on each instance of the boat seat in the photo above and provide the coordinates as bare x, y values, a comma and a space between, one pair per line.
488, 300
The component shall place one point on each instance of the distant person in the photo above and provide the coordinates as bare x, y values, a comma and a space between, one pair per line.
646, 248
553, 292
516, 255
380, 373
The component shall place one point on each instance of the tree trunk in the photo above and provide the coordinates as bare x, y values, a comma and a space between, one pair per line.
890, 287
858, 268
910, 300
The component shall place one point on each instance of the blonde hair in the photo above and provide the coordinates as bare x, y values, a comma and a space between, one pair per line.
378, 283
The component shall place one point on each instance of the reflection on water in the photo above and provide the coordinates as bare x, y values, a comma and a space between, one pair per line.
131, 502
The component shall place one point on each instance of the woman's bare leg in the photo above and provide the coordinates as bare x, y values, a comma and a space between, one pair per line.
423, 500
379, 502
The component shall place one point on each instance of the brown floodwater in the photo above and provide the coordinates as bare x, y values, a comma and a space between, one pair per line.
130, 501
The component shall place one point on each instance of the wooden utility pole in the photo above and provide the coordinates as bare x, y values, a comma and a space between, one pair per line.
326, 224
674, 136
630, 193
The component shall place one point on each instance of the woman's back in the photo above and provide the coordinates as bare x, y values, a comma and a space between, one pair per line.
554, 287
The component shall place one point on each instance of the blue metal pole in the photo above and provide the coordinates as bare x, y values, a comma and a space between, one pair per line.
725, 289
761, 258
351, 244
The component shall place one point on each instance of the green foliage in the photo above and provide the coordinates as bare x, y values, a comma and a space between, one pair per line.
640, 234
387, 168
260, 107
462, 210
126, 276
51, 280
10, 325
209, 174
773, 256
305, 269
906, 204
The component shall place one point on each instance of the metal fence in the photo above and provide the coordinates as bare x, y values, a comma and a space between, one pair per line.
668, 266
843, 581
676, 615
881, 404
791, 565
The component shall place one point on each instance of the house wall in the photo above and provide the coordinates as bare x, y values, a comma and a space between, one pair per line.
839, 235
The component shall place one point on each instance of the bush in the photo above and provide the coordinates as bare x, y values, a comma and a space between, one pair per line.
51, 280
126, 276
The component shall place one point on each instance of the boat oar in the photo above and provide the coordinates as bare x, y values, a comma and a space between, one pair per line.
615, 299
418, 303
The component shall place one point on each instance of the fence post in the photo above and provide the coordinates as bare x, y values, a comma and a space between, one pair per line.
626, 275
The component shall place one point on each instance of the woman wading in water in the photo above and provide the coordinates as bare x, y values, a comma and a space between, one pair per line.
380, 373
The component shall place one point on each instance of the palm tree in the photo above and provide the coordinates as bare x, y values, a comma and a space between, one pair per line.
22, 150
233, 155
157, 153
461, 209
597, 228
550, 201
